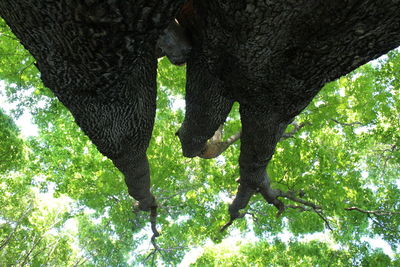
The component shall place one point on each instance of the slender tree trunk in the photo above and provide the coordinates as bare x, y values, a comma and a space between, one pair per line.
5, 242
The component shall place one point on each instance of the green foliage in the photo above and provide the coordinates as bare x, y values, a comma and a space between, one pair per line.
277, 253
347, 155
32, 228
11, 146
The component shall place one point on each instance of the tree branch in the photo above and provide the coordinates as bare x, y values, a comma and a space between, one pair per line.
312, 207
215, 146
272, 197
8, 36
78, 261
297, 127
153, 222
158, 249
5, 241
374, 212
327, 224
348, 124
292, 196
232, 219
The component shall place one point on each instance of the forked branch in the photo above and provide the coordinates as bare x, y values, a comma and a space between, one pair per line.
271, 196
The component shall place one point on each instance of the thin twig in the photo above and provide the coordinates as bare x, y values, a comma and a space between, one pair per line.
291, 195
348, 124
8, 36
300, 208
374, 212
297, 127
175, 194
319, 213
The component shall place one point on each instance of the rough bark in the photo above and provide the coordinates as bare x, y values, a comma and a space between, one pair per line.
174, 43
98, 57
205, 98
273, 57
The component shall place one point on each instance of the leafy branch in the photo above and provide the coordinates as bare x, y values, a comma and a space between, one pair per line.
24, 214
348, 124
374, 212
296, 129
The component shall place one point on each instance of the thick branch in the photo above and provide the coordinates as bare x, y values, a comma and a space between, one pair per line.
272, 196
153, 222
215, 146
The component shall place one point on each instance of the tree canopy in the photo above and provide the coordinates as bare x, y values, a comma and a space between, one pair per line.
64, 204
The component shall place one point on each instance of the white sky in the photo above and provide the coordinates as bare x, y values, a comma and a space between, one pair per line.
24, 123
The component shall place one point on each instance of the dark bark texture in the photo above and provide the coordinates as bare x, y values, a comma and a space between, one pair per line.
174, 43
272, 57
98, 57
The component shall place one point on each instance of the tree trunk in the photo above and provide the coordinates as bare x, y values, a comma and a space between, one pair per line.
273, 57
24, 214
98, 57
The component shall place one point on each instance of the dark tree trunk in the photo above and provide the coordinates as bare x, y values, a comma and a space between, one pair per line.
98, 57
273, 57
